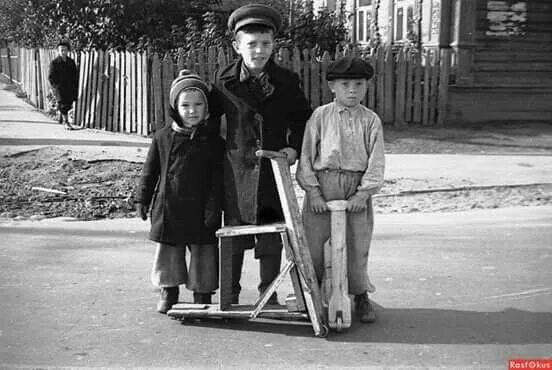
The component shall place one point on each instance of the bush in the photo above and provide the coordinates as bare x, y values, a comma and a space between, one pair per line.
154, 25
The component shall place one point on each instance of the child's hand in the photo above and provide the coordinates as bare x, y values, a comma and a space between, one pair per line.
358, 202
291, 155
317, 202
142, 211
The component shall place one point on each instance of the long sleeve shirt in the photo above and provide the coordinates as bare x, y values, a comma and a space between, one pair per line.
343, 138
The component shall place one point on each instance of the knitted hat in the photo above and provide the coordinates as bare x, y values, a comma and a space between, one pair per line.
187, 80
254, 14
349, 68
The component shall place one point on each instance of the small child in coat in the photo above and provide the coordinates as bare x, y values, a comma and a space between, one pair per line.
183, 176
342, 158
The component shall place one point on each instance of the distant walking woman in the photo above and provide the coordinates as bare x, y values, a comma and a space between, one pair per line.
63, 77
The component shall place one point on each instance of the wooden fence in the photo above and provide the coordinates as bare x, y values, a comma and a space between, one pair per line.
127, 92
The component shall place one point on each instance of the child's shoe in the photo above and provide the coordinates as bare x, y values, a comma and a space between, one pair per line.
202, 298
169, 296
364, 308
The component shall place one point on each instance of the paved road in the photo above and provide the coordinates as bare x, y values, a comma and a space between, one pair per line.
465, 290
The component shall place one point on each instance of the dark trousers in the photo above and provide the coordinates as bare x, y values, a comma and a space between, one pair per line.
268, 249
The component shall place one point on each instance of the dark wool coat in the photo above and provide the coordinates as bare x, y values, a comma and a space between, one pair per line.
273, 123
64, 79
185, 187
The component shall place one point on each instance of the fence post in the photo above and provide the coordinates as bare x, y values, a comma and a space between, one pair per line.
10, 65
443, 86
314, 80
433, 88
400, 88
389, 68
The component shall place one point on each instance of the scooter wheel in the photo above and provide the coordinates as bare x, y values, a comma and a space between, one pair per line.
339, 324
324, 331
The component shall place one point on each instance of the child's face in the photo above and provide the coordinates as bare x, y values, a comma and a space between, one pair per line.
63, 50
255, 49
349, 92
191, 107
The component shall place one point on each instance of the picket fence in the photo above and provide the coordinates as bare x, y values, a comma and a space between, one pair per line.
123, 91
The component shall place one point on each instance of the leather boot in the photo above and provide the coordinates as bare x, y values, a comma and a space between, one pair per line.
169, 296
202, 298
364, 308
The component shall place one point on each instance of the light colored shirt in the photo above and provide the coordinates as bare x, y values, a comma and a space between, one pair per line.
343, 139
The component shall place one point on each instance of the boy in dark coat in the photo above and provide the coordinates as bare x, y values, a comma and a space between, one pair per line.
64, 79
261, 106
183, 176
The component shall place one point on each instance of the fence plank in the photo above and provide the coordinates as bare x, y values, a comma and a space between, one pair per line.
139, 91
168, 76
389, 74
417, 98
145, 89
212, 63
433, 87
92, 92
380, 85
409, 85
296, 63
315, 85
134, 93
122, 91
108, 79
117, 92
371, 93
306, 70
443, 86
426, 84
128, 100
326, 93
221, 58
181, 59
79, 104
157, 88
87, 89
400, 88
201, 70
111, 93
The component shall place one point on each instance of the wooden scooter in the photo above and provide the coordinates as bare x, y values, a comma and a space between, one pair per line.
335, 283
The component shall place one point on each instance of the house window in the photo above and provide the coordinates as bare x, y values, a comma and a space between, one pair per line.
404, 23
364, 20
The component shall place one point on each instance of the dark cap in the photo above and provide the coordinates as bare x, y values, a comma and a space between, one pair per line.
256, 14
64, 43
349, 68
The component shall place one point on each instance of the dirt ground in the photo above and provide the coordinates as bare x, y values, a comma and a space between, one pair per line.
49, 182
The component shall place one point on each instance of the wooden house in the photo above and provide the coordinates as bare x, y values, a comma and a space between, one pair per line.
502, 50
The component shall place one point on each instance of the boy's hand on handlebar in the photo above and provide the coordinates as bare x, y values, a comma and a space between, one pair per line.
317, 202
358, 202
290, 153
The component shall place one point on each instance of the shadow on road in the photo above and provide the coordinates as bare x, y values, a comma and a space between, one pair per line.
73, 142
421, 326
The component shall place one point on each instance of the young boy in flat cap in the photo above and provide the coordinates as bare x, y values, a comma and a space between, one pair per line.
342, 158
261, 106
182, 181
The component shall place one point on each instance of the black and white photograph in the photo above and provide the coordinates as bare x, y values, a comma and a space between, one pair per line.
276, 184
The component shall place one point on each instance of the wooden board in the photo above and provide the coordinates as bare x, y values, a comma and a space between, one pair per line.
188, 310
298, 240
